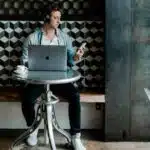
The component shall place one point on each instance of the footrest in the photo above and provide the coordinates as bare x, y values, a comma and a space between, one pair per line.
52, 102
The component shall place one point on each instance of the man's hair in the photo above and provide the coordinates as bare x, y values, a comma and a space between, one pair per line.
49, 10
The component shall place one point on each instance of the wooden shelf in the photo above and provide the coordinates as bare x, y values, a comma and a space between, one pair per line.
14, 95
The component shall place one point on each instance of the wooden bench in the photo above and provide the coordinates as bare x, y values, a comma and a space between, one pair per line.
9, 94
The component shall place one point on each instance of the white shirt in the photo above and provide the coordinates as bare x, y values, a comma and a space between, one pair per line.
46, 41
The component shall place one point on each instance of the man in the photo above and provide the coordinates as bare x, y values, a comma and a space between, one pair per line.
49, 34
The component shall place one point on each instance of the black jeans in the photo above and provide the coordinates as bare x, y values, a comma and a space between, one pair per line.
68, 91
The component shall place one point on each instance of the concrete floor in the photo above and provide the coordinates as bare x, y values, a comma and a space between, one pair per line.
88, 139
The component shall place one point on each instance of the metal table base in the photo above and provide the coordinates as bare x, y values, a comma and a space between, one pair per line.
46, 111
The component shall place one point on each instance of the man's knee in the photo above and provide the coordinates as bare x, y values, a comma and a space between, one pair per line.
75, 97
31, 93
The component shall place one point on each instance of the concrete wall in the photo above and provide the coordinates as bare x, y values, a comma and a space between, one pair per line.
11, 116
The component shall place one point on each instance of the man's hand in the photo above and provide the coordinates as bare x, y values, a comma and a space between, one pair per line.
78, 54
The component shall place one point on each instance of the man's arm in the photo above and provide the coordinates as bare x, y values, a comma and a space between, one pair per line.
24, 57
70, 52
73, 55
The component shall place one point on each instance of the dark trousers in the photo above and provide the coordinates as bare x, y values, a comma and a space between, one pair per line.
68, 91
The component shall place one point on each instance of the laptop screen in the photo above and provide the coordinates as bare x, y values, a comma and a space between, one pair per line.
47, 58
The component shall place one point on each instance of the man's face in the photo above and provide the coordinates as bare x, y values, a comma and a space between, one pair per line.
55, 19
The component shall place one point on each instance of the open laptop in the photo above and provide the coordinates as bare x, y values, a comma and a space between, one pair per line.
47, 58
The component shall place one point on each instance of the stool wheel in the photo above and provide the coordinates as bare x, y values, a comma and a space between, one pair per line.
69, 146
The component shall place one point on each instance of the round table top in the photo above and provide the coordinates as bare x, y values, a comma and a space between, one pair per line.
50, 77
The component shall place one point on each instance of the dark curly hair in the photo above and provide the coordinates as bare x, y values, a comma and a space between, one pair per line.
50, 8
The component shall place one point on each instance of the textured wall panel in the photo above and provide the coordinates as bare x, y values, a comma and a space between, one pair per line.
13, 33
30, 8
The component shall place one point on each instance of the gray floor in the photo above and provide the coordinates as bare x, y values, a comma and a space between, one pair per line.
89, 139
93, 145
59, 139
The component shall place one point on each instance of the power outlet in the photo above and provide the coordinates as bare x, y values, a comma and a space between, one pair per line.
98, 106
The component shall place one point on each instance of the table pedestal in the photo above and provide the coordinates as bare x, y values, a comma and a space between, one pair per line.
46, 112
